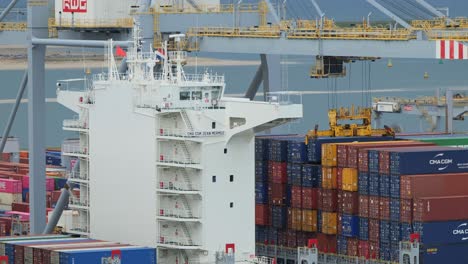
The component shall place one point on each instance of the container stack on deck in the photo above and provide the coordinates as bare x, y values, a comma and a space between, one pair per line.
66, 250
360, 199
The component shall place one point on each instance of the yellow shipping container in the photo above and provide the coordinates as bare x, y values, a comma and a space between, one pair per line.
350, 180
296, 219
329, 154
309, 220
329, 180
329, 223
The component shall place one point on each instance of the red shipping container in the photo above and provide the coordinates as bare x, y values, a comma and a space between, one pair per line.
20, 207
374, 207
5, 226
339, 227
374, 230
353, 247
406, 210
290, 218
309, 198
447, 208
55, 196
339, 201
363, 160
364, 249
296, 197
262, 214
327, 243
350, 203
277, 171
374, 250
292, 239
6, 156
282, 238
50, 183
363, 206
48, 199
303, 238
341, 155
384, 162
328, 200
384, 209
339, 178
432, 185
277, 193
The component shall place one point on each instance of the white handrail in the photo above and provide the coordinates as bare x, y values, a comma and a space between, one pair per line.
179, 186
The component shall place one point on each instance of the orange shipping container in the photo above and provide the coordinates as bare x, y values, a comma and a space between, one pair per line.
329, 223
296, 219
309, 220
350, 180
24, 154
329, 180
329, 154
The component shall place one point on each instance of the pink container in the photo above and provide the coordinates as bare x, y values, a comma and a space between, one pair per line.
10, 186
23, 216
50, 184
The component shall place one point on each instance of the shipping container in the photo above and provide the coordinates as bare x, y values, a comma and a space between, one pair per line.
342, 245
10, 186
349, 225
446, 208
374, 207
261, 234
353, 247
384, 185
309, 220
364, 228
262, 214
129, 254
294, 174
50, 183
339, 178
296, 218
292, 239
309, 198
374, 183
261, 193
329, 223
395, 209
327, 243
384, 208
277, 193
374, 249
406, 231
374, 230
385, 250
350, 179
395, 186
261, 171
406, 210
349, 203
279, 216
395, 231
413, 186
261, 148
328, 200
363, 183
297, 151
277, 172
329, 180
311, 175
296, 196
363, 206
329, 155
364, 249
384, 235
278, 149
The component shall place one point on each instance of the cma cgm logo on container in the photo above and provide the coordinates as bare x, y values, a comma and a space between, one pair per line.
75, 6
439, 160
462, 230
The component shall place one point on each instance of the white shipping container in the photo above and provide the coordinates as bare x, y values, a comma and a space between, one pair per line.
6, 199
92, 13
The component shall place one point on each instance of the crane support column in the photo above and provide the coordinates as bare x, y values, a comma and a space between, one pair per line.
37, 27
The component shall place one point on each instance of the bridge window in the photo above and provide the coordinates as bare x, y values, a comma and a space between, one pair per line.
196, 95
184, 96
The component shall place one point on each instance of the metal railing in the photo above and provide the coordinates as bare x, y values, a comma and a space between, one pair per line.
176, 159
62, 22
223, 8
74, 149
284, 98
448, 34
78, 175
176, 240
78, 202
75, 123
13, 26
78, 85
179, 213
249, 32
185, 133
179, 186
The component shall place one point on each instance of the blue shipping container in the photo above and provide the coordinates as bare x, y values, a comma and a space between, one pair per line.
395, 231
406, 231
384, 185
128, 255
374, 183
261, 234
395, 251
445, 253
384, 231
319, 221
279, 216
363, 183
294, 174
261, 148
261, 193
342, 245
373, 161
261, 170
272, 236
278, 149
442, 232
385, 250
395, 209
363, 228
297, 151
428, 160
311, 175
394, 186
349, 225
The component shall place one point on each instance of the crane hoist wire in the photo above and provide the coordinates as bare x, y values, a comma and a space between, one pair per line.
395, 8
420, 9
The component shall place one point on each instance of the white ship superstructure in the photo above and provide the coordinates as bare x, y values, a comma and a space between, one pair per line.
166, 159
